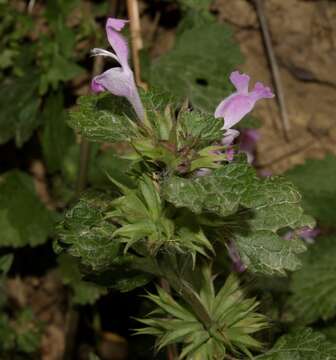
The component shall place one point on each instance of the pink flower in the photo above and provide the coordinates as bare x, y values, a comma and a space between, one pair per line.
118, 80
240, 103
229, 154
237, 263
307, 234
248, 143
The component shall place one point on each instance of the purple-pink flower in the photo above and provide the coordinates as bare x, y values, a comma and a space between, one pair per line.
118, 80
240, 103
248, 143
307, 234
238, 265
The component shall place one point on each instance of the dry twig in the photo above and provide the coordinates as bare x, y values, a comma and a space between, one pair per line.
136, 43
274, 67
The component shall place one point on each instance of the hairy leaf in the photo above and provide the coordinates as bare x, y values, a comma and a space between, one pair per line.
266, 252
250, 210
86, 234
198, 130
104, 118
219, 192
303, 344
314, 286
24, 220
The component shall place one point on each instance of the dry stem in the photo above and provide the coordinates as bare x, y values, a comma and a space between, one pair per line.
136, 43
274, 67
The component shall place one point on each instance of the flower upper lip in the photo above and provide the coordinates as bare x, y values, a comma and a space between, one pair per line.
233, 108
118, 80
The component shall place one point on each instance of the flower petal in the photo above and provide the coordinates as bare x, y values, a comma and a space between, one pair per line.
120, 83
234, 108
240, 82
116, 40
96, 87
261, 92
229, 136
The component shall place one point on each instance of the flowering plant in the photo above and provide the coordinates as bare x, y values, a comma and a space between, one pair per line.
164, 219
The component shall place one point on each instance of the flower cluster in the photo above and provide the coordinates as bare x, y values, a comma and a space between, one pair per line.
120, 82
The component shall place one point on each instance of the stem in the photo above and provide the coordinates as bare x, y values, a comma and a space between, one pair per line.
83, 166
274, 67
84, 157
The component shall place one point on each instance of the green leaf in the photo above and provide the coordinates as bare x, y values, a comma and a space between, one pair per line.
28, 332
313, 179
198, 130
5, 263
60, 69
266, 252
108, 162
21, 334
86, 234
104, 118
84, 292
248, 210
57, 136
314, 286
198, 69
269, 205
232, 320
275, 203
198, 5
303, 344
219, 192
19, 105
24, 220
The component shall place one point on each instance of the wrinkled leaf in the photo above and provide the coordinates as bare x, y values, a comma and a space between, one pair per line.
104, 118
219, 192
86, 234
303, 344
